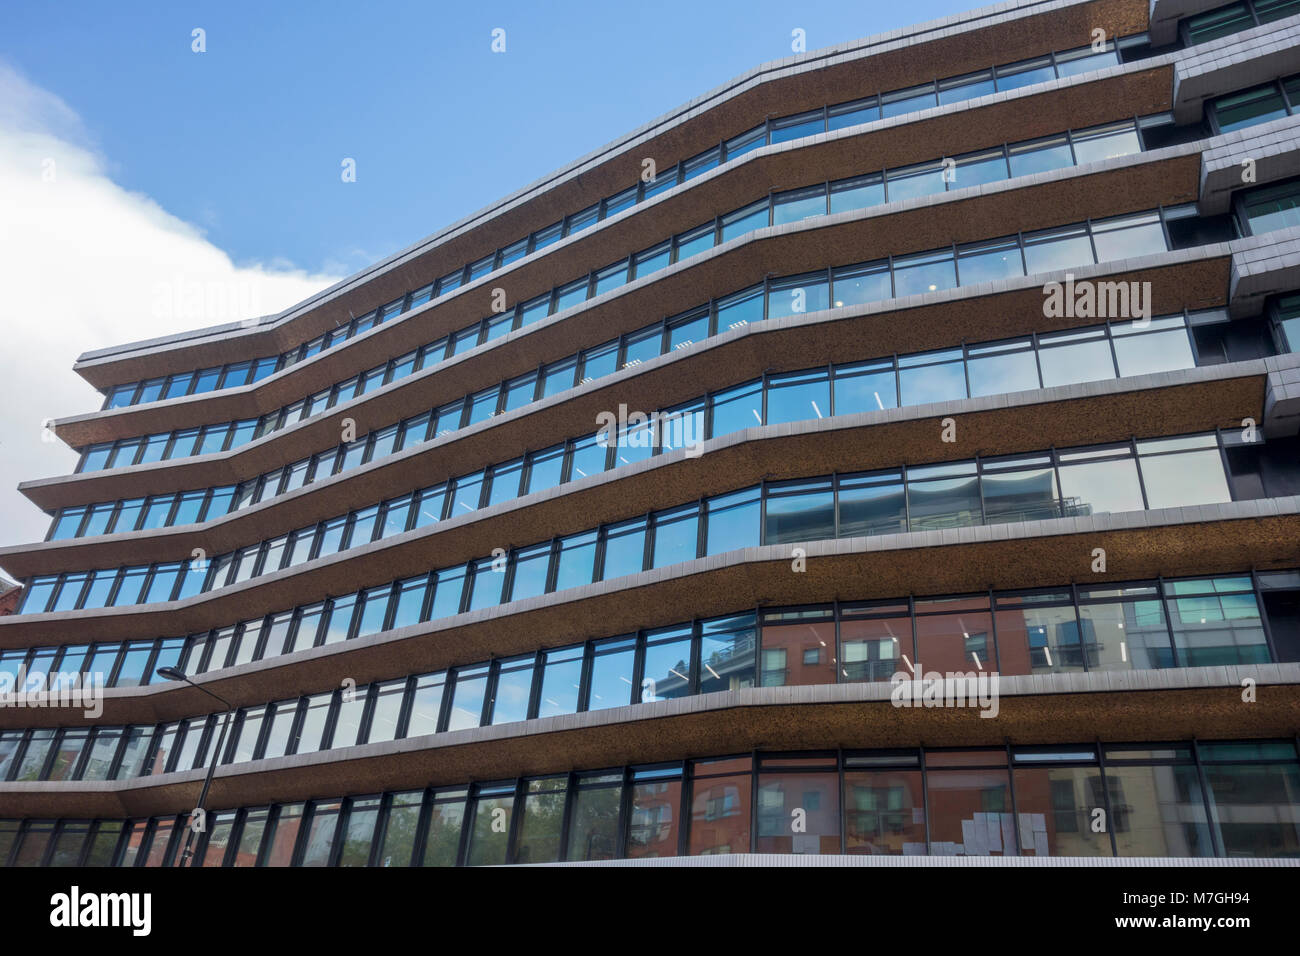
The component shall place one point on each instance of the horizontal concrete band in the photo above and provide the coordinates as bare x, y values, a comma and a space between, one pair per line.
1115, 410
1139, 545
1127, 184
773, 168
954, 45
1043, 709
1219, 394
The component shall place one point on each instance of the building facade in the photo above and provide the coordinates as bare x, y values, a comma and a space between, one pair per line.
892, 452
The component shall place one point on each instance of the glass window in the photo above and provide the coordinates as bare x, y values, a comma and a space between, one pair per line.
1019, 489
1038, 633
976, 169
871, 504
852, 114
932, 377
1025, 73
593, 830
543, 819
860, 193
1183, 472
545, 469
862, 284
687, 330
315, 717
1128, 237
740, 309
736, 408
35, 838
1054, 249
943, 496
514, 686
102, 751
1156, 801
447, 813
1275, 207
1161, 346
468, 695
884, 811
927, 272
652, 260
1092, 485
1080, 355
989, 261
39, 743
969, 797
664, 180
865, 387
576, 560
1124, 628
955, 634
530, 569
694, 242
101, 514
611, 673
1085, 59
727, 647
968, 87
913, 182
733, 522
798, 396
798, 813
387, 710
488, 584
246, 734
1056, 808
796, 127
399, 829
642, 346
744, 221
561, 677
103, 843
624, 549
448, 592
740, 145
1105, 142
799, 511
907, 101
358, 830
798, 648
489, 837
322, 833
873, 639
67, 753
720, 806
1270, 10
652, 824
570, 294
426, 704
1217, 622
1007, 366
797, 294
798, 204
1254, 797
667, 664
1219, 23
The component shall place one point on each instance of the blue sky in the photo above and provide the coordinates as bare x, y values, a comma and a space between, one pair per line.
245, 141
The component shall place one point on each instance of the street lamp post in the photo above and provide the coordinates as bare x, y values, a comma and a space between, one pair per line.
175, 673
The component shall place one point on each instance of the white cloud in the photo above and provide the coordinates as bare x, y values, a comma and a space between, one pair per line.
86, 264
